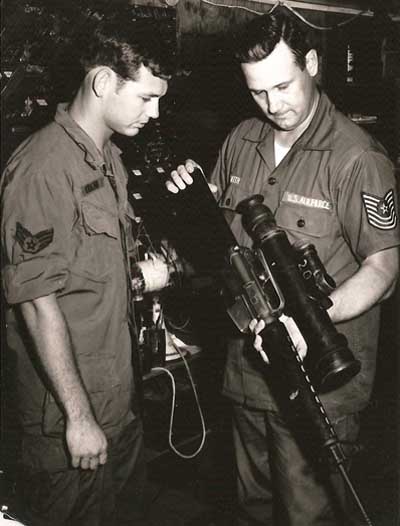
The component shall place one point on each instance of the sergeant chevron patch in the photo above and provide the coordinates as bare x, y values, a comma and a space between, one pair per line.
33, 243
381, 211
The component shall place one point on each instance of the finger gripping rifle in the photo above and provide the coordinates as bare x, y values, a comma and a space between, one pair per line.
274, 278
286, 279
277, 277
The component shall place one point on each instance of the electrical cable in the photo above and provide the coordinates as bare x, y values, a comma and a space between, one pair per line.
215, 4
292, 10
171, 422
171, 259
321, 28
176, 327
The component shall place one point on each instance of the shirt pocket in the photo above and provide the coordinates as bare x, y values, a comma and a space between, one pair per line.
98, 243
233, 195
304, 223
229, 201
97, 220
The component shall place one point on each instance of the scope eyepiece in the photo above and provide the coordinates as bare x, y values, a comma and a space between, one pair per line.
254, 212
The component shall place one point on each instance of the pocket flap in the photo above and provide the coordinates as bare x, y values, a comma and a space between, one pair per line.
233, 195
98, 220
303, 220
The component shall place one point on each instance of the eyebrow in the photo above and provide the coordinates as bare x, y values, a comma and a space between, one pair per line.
281, 84
151, 94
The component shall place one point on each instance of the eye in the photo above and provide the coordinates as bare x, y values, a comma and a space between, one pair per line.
146, 99
260, 93
282, 87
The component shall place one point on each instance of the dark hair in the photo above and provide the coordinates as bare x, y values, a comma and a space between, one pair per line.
124, 47
258, 38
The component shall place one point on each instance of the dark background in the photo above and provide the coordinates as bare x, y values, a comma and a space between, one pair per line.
205, 100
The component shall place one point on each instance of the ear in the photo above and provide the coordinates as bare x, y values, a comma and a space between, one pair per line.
101, 81
312, 62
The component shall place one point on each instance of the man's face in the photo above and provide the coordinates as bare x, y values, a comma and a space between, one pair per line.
283, 91
129, 106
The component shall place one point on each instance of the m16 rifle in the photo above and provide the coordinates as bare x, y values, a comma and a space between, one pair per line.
272, 278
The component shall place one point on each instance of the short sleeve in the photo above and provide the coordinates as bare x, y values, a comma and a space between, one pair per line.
368, 204
36, 232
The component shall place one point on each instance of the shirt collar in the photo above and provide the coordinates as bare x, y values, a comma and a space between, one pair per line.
92, 155
319, 134
258, 131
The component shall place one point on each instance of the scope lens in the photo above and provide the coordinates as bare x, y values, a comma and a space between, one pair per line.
335, 369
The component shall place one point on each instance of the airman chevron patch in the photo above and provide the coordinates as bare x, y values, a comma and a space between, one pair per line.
33, 243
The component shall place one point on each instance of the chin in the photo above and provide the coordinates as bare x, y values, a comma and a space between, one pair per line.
130, 132
287, 126
282, 126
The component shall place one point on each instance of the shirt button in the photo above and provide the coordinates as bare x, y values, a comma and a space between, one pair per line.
228, 201
301, 223
272, 180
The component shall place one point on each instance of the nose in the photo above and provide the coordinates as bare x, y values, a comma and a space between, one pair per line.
274, 103
153, 109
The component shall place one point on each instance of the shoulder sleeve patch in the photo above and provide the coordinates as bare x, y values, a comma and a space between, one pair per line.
33, 243
381, 211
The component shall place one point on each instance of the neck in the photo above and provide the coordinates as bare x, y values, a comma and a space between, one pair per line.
286, 139
86, 115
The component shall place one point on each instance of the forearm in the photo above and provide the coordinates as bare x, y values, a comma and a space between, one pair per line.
372, 283
49, 331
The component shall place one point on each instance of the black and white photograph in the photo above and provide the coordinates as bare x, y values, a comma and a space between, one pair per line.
200, 232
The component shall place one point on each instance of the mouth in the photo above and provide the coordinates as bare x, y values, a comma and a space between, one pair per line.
280, 117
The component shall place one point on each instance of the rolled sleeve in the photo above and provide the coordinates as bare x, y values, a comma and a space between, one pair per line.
36, 235
33, 279
368, 206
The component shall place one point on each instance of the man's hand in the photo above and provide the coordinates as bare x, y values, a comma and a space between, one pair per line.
86, 443
256, 326
181, 177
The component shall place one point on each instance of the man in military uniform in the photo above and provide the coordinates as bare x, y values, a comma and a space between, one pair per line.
66, 238
329, 183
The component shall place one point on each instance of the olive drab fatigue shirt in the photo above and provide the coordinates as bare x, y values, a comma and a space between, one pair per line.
336, 189
61, 233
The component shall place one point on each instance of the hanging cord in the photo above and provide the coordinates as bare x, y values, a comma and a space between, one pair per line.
171, 259
314, 26
158, 320
175, 326
169, 256
233, 7
171, 422
292, 10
